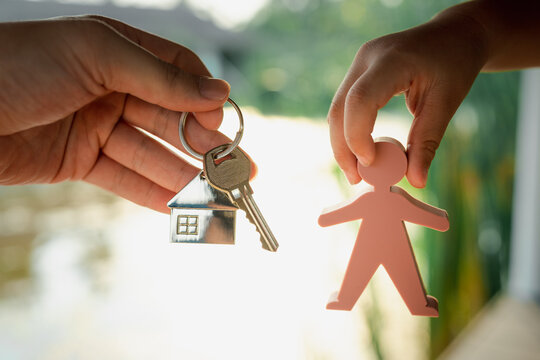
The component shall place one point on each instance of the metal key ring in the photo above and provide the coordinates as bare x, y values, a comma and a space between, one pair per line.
225, 152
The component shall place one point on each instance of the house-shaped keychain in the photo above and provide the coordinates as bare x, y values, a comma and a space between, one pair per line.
202, 214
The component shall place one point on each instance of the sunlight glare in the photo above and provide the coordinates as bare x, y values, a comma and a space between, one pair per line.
228, 14
159, 4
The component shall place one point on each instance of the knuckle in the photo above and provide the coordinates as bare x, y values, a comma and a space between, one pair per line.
172, 73
366, 49
139, 159
391, 49
175, 75
358, 93
430, 147
372, 48
427, 147
336, 110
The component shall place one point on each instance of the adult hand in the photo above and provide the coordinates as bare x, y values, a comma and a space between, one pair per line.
434, 64
74, 94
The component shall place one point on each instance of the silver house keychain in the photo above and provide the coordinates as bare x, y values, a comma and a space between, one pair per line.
201, 213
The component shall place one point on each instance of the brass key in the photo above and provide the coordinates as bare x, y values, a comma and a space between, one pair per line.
231, 175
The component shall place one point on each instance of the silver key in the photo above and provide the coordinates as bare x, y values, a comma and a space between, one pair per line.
231, 175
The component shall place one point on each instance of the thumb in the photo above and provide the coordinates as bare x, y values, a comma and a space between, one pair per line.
126, 67
430, 122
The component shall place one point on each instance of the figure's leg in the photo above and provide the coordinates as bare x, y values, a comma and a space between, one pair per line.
362, 265
403, 270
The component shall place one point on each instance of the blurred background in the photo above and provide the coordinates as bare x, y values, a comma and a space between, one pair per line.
85, 275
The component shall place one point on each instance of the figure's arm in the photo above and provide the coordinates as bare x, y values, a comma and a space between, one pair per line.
420, 213
341, 213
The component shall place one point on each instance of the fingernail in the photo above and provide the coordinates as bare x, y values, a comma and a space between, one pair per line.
213, 89
364, 161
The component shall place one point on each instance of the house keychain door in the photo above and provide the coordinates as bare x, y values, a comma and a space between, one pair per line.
204, 211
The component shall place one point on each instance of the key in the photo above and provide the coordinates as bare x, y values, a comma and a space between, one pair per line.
231, 175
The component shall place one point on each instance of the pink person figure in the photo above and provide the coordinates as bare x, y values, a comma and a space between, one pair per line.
382, 237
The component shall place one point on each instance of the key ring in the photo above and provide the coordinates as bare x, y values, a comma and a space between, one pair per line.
225, 152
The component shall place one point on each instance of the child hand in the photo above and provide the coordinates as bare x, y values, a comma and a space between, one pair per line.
434, 65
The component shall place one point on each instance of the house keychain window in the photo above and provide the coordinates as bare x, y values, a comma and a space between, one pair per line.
188, 225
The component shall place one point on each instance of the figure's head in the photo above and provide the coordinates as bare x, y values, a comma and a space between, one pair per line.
389, 165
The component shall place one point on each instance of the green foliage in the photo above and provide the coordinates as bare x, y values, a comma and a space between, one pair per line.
297, 59
472, 179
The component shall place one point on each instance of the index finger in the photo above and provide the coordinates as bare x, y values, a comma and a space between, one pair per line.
371, 91
165, 123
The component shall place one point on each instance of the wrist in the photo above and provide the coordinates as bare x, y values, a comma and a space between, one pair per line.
509, 30
466, 23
